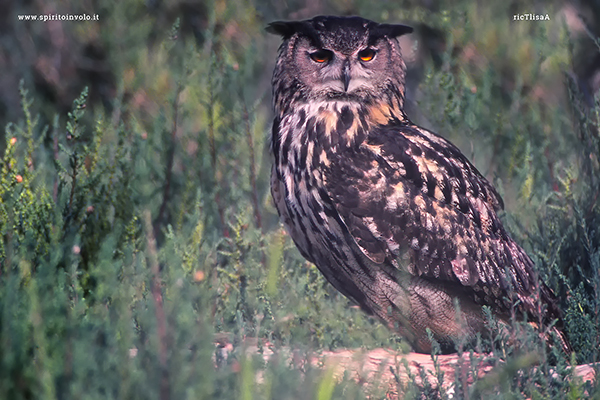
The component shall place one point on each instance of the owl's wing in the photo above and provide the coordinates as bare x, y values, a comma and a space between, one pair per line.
410, 197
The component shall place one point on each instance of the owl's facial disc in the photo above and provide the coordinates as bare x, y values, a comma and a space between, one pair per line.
330, 58
340, 75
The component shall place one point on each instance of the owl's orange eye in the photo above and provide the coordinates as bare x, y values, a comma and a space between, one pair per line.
321, 56
366, 54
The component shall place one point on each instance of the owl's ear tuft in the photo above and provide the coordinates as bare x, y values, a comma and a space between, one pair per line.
284, 28
392, 30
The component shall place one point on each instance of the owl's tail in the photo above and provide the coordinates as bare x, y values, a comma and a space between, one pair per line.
553, 317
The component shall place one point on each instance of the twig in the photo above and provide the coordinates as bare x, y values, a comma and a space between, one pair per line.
592, 204
551, 169
55, 148
74, 181
158, 306
213, 151
170, 161
211, 122
252, 169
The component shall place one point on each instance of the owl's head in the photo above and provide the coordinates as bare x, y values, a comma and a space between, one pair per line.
338, 58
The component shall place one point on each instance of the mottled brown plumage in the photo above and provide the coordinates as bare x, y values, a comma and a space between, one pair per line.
394, 216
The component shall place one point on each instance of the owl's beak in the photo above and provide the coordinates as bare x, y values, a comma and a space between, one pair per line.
346, 75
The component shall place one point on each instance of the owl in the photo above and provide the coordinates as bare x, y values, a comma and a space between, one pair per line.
394, 216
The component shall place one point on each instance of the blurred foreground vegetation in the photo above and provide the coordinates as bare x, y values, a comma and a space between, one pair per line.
140, 252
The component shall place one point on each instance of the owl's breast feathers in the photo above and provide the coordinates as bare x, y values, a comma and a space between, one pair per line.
406, 199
